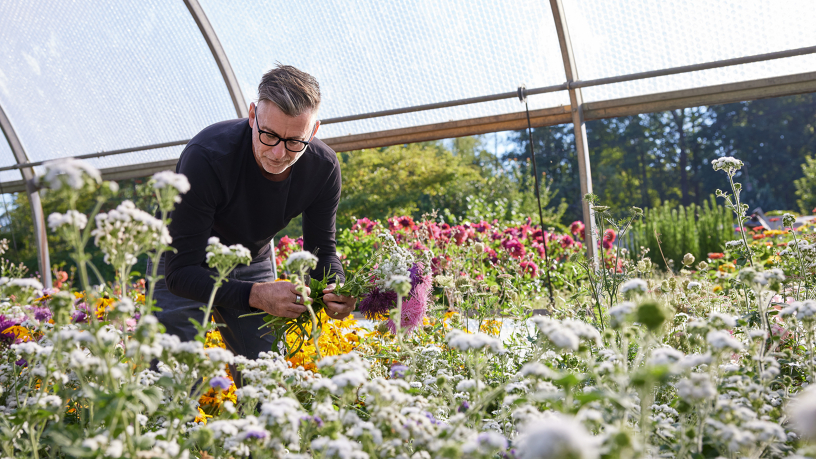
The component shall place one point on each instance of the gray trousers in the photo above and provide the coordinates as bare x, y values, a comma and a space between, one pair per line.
241, 335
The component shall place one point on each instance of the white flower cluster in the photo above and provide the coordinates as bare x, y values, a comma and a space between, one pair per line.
69, 171
164, 179
126, 232
634, 285
301, 261
397, 262
219, 254
459, 340
729, 164
555, 436
567, 334
72, 218
801, 310
695, 389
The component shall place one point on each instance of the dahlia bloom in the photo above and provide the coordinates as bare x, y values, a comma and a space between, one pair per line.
577, 228
530, 268
567, 241
514, 247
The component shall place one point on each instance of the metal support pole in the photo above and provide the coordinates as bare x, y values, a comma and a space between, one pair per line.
220, 57
34, 201
577, 106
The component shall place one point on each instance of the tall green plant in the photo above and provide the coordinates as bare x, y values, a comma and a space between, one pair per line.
670, 233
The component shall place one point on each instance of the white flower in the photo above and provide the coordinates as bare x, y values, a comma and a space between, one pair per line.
666, 356
464, 342
802, 411
719, 320
399, 284
555, 437
537, 369
170, 178
733, 244
721, 339
696, 388
126, 232
802, 310
635, 285
69, 171
219, 255
72, 217
693, 285
728, 164
31, 283
301, 260
619, 314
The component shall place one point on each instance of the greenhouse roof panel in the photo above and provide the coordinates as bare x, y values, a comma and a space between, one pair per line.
612, 38
386, 55
82, 77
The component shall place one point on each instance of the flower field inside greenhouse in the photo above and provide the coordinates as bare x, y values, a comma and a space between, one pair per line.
475, 340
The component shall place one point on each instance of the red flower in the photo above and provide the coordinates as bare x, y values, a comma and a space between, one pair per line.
514, 247
567, 241
401, 223
609, 236
482, 227
577, 228
530, 268
715, 255
460, 234
364, 224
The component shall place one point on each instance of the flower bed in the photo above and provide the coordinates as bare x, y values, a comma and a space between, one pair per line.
627, 361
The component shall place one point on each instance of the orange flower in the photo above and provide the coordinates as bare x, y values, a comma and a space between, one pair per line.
21, 334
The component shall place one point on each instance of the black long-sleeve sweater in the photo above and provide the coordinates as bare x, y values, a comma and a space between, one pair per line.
229, 198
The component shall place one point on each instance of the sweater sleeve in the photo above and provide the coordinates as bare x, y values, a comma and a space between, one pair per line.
190, 227
319, 228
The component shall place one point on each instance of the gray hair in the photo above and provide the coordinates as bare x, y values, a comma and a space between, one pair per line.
292, 90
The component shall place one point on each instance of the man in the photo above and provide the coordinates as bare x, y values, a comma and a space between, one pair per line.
248, 179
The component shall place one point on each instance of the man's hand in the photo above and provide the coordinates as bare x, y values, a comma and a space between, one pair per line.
277, 298
337, 306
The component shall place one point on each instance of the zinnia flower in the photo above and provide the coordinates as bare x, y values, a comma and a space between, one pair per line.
567, 241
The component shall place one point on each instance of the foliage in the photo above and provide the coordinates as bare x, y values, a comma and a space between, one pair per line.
806, 187
671, 232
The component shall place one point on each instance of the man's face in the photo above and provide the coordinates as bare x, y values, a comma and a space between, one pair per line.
269, 118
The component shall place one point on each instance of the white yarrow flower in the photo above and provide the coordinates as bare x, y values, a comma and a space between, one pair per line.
555, 437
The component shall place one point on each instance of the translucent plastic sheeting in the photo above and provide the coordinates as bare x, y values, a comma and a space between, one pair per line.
618, 37
86, 76
7, 159
372, 55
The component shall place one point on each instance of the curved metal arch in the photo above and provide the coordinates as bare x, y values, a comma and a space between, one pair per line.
577, 107
34, 201
220, 57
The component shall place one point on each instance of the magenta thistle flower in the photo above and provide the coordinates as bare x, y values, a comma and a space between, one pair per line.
414, 309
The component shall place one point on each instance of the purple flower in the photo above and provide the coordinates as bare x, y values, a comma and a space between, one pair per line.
79, 316
377, 303
315, 419
256, 434
220, 382
398, 371
21, 363
463, 407
41, 314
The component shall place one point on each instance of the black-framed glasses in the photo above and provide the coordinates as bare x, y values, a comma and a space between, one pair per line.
269, 139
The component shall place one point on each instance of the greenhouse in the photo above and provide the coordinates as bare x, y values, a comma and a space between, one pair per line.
682, 332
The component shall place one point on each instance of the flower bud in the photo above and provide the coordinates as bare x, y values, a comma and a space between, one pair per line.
688, 259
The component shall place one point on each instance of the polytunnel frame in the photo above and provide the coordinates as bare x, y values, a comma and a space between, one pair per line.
577, 113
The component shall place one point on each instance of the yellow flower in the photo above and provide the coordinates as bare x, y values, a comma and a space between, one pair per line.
491, 327
337, 337
727, 267
717, 288
103, 305
20, 333
202, 416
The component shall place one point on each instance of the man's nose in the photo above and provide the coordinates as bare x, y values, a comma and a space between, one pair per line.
278, 152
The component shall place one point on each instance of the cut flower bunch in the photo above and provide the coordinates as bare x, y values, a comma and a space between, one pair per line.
641, 364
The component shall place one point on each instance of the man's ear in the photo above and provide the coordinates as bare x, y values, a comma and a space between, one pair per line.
317, 126
251, 115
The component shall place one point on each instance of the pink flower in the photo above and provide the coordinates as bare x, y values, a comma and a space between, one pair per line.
460, 235
609, 236
577, 228
414, 309
529, 268
567, 241
514, 247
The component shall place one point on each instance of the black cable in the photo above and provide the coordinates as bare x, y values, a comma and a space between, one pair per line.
523, 97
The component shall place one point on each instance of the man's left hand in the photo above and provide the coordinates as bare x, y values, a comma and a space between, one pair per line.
337, 306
